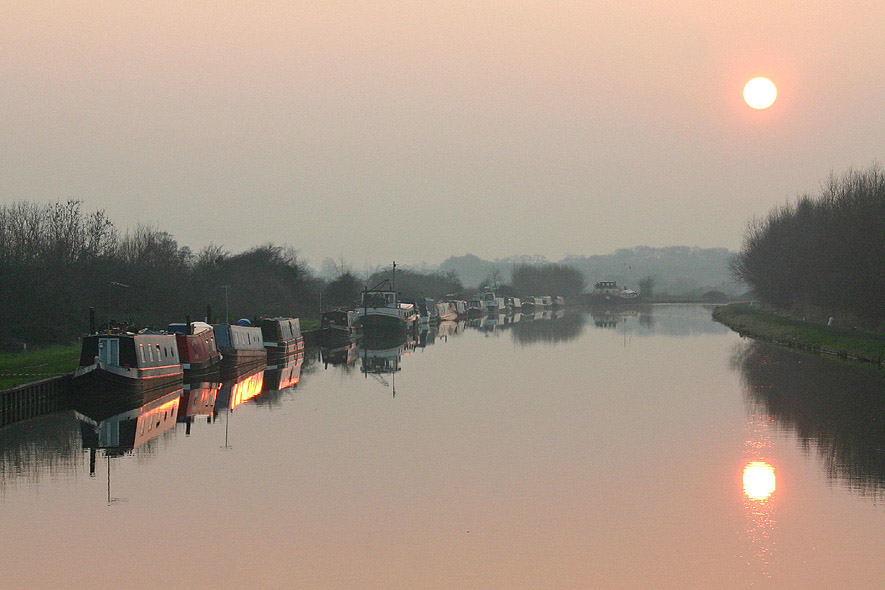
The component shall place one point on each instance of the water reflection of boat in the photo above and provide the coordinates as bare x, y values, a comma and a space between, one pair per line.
447, 329
282, 339
137, 368
237, 391
124, 431
242, 348
284, 375
385, 359
198, 399
345, 354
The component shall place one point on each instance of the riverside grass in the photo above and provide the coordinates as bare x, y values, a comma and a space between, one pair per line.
850, 344
18, 368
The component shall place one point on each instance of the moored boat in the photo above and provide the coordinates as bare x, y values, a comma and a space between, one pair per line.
475, 308
609, 293
382, 312
336, 326
197, 349
120, 367
242, 348
282, 339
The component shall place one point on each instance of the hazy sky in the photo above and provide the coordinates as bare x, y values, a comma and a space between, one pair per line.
413, 131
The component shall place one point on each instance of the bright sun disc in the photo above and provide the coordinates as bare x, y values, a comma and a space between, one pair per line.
760, 93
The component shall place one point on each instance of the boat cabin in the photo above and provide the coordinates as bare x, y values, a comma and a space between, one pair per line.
378, 299
141, 351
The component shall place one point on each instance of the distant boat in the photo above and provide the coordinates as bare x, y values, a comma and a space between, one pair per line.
474, 308
609, 293
491, 303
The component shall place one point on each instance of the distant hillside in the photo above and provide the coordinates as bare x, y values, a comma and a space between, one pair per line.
677, 270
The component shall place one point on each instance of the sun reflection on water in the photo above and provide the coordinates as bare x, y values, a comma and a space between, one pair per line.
759, 480
759, 499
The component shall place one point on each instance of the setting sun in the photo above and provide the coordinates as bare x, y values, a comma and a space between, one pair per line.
760, 93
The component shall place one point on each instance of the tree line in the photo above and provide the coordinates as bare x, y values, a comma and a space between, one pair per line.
57, 261
824, 254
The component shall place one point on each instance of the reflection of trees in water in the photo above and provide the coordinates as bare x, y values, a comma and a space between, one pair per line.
659, 320
840, 409
41, 446
563, 329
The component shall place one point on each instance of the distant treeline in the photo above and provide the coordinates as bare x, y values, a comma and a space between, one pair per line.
825, 254
547, 279
677, 271
57, 261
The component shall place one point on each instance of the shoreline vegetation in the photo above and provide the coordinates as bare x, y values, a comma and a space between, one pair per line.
859, 346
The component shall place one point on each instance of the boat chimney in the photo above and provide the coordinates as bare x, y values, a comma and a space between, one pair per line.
189, 328
208, 313
92, 320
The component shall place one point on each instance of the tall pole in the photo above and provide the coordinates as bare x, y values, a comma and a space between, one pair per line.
226, 303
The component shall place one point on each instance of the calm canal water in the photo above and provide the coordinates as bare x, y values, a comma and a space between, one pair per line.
654, 449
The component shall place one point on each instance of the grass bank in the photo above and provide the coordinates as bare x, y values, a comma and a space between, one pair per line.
17, 368
856, 345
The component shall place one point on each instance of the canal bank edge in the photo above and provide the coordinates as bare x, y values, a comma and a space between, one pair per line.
848, 344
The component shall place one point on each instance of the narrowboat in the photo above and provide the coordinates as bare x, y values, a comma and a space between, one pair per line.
242, 348
197, 349
282, 339
125, 367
